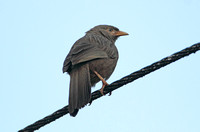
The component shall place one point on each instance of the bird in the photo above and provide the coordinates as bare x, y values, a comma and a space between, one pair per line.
91, 59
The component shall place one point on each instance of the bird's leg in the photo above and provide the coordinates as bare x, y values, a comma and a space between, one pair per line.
103, 82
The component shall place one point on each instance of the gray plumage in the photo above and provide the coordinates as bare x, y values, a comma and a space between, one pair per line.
96, 51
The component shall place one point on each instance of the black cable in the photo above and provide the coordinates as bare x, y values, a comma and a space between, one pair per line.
113, 86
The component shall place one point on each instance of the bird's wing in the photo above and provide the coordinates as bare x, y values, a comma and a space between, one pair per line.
83, 51
86, 52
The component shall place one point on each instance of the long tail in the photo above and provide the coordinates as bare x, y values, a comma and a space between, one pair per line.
80, 88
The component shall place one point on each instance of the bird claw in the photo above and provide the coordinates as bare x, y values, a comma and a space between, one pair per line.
101, 91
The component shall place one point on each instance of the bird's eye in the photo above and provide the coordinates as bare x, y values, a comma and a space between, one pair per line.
110, 29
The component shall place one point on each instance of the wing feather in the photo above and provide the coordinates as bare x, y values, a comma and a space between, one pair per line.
83, 50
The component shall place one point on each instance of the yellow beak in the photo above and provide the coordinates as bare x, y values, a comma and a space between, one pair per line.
121, 33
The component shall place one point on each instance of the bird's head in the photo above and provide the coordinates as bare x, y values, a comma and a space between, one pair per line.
107, 31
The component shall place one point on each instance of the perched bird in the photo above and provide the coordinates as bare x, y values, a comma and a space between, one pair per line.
92, 58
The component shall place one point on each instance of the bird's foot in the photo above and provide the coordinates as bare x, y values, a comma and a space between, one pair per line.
101, 91
104, 84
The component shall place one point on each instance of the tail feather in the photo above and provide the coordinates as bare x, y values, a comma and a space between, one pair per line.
80, 88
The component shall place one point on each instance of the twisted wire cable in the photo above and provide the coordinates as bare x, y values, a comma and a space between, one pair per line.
115, 85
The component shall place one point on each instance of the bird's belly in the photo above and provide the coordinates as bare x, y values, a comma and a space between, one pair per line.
104, 67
